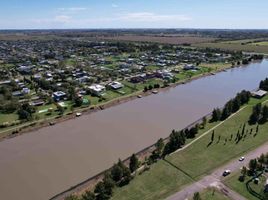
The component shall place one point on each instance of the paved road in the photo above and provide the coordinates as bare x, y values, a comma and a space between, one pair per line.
215, 179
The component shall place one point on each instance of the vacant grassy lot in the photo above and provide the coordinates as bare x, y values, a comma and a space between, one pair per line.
205, 157
196, 160
8, 117
159, 182
235, 46
213, 194
160, 39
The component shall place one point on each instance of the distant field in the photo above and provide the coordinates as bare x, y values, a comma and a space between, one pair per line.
161, 39
253, 45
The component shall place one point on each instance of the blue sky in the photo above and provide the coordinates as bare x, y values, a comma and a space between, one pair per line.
47, 14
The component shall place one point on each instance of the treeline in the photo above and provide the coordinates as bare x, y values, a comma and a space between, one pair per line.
259, 114
264, 84
251, 58
231, 106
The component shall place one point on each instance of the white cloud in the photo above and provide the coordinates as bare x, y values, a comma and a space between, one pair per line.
115, 5
62, 19
73, 9
152, 17
139, 19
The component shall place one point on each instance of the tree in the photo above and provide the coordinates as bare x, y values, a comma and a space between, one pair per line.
197, 196
25, 111
212, 136
101, 192
88, 196
256, 114
71, 197
216, 115
159, 147
116, 173
243, 174
264, 114
204, 121
78, 101
252, 165
120, 173
133, 163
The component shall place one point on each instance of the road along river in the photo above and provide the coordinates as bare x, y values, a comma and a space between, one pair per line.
38, 165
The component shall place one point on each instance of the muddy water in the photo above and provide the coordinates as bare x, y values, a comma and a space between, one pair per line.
40, 164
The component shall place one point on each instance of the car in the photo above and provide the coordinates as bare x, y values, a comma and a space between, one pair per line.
78, 114
241, 159
226, 172
51, 123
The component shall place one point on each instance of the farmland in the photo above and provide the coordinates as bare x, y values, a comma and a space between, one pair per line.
178, 40
250, 45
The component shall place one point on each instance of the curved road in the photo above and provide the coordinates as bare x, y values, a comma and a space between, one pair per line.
215, 179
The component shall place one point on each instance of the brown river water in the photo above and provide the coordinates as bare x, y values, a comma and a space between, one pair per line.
38, 165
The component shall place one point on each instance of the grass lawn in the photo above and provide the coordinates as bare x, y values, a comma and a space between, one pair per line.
240, 187
264, 43
159, 182
216, 66
205, 158
8, 117
213, 194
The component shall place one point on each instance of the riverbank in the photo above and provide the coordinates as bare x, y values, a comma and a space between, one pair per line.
65, 154
31, 126
241, 115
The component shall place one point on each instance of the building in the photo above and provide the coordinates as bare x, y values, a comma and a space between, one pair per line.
96, 89
190, 67
115, 85
59, 96
258, 93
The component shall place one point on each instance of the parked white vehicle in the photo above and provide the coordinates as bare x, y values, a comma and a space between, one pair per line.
78, 114
226, 172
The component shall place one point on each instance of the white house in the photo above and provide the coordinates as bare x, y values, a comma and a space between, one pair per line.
115, 85
96, 89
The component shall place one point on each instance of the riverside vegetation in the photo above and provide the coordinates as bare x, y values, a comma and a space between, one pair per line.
122, 181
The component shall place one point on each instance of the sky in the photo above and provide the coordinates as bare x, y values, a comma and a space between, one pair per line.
65, 14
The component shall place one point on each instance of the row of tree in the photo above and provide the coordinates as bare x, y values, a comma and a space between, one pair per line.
150, 87
231, 106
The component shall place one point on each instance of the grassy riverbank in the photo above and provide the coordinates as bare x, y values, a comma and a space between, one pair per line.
199, 158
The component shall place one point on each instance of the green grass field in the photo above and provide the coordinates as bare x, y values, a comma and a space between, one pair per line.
159, 182
213, 194
197, 160
235, 46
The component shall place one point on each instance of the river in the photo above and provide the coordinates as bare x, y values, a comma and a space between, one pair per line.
40, 164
